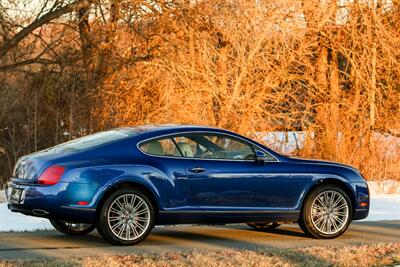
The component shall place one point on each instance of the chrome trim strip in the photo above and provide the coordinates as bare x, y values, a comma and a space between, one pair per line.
228, 212
211, 132
360, 210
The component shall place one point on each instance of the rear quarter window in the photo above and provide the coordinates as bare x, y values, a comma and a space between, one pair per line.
160, 147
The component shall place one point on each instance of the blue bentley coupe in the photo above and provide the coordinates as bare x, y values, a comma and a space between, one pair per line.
125, 181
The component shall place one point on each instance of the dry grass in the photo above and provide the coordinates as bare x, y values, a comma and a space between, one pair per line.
365, 255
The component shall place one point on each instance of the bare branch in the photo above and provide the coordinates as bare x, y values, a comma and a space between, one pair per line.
13, 42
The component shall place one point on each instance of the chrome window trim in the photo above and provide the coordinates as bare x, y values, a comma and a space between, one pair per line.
209, 132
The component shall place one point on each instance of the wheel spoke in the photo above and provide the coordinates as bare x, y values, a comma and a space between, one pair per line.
141, 219
133, 199
319, 220
141, 202
338, 200
141, 227
125, 199
116, 211
115, 218
326, 198
117, 225
144, 211
127, 231
339, 213
119, 205
121, 230
342, 206
317, 207
321, 201
136, 233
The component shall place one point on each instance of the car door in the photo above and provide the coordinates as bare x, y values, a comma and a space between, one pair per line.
223, 174
162, 154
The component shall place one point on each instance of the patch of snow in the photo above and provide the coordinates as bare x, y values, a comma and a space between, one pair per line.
288, 142
384, 207
384, 187
2, 196
11, 221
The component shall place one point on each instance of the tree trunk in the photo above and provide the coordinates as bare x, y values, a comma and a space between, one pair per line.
86, 43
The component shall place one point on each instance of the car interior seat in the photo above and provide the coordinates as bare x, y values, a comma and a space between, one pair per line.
155, 148
185, 148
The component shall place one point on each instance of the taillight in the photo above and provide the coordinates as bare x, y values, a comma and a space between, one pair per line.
51, 175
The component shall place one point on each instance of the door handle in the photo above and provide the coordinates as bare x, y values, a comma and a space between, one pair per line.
197, 169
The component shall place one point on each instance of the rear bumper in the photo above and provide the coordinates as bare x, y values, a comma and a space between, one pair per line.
80, 215
55, 202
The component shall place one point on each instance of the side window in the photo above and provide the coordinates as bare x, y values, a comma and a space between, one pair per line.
214, 146
161, 147
187, 147
199, 145
230, 148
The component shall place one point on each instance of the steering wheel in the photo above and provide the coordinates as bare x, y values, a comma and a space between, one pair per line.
250, 157
209, 151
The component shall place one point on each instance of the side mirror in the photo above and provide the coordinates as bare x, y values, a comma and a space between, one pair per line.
260, 156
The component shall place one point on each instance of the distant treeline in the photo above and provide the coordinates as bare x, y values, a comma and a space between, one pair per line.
70, 68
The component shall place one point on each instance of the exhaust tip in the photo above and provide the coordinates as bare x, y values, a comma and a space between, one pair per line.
39, 212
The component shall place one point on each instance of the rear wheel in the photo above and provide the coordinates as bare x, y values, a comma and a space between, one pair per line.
263, 226
71, 228
326, 213
127, 217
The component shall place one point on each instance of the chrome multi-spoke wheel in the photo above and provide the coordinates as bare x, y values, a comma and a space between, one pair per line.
327, 212
128, 217
72, 228
330, 212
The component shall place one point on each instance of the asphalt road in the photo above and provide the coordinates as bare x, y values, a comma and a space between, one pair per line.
183, 238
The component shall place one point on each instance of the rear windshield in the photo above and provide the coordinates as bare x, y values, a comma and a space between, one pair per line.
93, 140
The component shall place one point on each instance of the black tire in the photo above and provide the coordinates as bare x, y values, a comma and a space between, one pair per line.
308, 222
76, 229
263, 225
104, 225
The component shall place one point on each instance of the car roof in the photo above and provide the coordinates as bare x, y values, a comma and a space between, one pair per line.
168, 127
154, 130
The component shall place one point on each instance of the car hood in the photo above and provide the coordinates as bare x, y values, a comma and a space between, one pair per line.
319, 162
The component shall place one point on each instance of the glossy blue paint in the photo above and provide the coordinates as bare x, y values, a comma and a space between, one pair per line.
224, 191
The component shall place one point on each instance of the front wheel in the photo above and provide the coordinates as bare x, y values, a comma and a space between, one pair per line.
127, 217
326, 213
71, 228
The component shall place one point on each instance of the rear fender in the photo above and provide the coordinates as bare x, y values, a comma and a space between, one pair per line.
100, 179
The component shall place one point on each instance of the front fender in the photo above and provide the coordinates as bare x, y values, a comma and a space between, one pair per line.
309, 181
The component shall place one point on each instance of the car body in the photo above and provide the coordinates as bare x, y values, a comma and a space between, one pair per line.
186, 174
